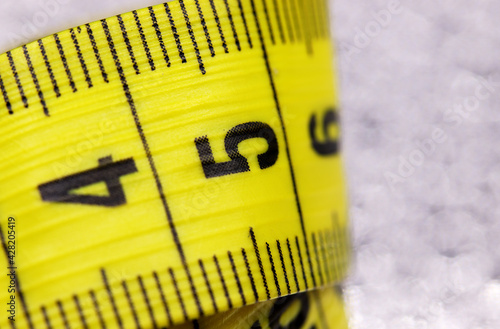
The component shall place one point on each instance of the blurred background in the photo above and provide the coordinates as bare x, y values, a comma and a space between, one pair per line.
420, 91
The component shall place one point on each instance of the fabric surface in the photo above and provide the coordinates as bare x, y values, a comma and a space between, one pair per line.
420, 84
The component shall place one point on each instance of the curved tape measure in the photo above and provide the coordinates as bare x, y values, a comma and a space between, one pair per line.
170, 163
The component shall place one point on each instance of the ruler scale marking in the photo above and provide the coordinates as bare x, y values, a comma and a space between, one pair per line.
35, 81
219, 27
250, 274
81, 315
152, 165
278, 20
162, 296
325, 17
205, 28
323, 249
242, 14
17, 79
288, 22
237, 278
178, 293
46, 318
48, 66
283, 267
223, 282
334, 268
259, 261
80, 58
278, 108
64, 61
338, 238
144, 41
5, 96
131, 304
128, 44
318, 263
97, 55
201, 65
159, 35
97, 309
209, 286
147, 301
180, 50
268, 20
235, 34
297, 244
290, 255
313, 20
111, 298
62, 313
297, 26
273, 269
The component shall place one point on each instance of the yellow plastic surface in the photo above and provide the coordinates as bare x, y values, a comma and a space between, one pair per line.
149, 237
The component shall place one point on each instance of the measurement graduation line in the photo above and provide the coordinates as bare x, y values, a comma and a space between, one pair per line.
283, 266
49, 68
159, 35
287, 148
80, 312
111, 298
16, 77
131, 304
273, 269
80, 58
242, 14
318, 263
62, 55
97, 309
148, 303
223, 282
62, 313
163, 300
193, 38
205, 28
35, 80
180, 51
46, 317
268, 20
235, 34
5, 97
250, 275
97, 55
293, 264
237, 278
127, 43
152, 164
209, 286
259, 261
219, 27
144, 41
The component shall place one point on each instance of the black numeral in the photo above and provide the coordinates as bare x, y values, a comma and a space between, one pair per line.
107, 171
280, 307
330, 145
238, 162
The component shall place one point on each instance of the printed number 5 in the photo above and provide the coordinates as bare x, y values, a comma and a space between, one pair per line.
238, 162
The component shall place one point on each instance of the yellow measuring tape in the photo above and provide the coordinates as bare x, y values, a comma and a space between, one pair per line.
172, 163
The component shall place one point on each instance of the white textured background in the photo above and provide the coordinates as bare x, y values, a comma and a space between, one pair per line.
421, 122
